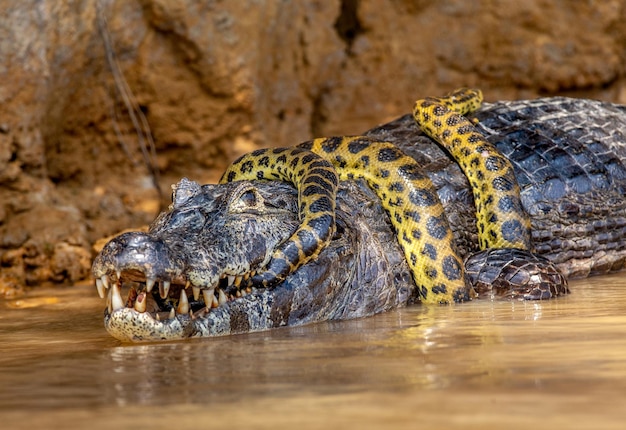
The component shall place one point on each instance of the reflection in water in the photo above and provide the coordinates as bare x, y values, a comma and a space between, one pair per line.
56, 355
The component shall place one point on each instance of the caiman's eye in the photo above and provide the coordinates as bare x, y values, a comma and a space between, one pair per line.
248, 199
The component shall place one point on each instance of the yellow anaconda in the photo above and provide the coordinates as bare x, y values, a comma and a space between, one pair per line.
407, 195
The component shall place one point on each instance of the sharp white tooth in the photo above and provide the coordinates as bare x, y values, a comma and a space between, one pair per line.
252, 273
222, 276
150, 284
172, 314
109, 302
183, 303
238, 293
208, 296
237, 281
158, 318
243, 292
246, 276
222, 297
100, 288
231, 280
164, 289
191, 314
116, 298
196, 293
140, 303
105, 281
215, 303
119, 274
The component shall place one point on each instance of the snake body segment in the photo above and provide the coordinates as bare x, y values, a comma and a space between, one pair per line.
501, 220
413, 206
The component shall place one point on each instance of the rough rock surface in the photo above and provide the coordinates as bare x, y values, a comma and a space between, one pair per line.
215, 78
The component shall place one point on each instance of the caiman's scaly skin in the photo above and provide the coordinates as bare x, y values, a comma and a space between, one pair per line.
568, 158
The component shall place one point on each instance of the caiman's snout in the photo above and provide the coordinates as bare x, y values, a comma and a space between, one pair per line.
136, 256
137, 250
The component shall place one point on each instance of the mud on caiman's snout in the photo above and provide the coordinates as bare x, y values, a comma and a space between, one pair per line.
200, 252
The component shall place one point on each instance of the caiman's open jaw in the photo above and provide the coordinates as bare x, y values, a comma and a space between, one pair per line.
167, 311
230, 287
152, 284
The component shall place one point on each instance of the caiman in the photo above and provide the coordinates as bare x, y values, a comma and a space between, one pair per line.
510, 200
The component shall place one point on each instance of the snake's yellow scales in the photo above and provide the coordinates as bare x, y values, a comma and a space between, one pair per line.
407, 195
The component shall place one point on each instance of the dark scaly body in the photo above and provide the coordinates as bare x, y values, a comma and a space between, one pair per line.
569, 159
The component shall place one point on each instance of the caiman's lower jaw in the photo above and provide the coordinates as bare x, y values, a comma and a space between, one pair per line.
171, 298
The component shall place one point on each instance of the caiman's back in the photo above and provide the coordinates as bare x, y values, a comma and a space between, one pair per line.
569, 157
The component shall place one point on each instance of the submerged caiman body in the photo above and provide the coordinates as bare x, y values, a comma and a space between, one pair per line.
569, 159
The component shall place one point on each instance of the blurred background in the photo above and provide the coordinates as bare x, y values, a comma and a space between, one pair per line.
102, 100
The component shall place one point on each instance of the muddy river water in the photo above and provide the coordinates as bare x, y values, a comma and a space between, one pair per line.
553, 364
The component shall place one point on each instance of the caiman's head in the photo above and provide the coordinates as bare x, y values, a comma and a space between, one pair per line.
200, 253
189, 275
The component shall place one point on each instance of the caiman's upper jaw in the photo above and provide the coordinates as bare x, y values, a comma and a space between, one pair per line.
170, 299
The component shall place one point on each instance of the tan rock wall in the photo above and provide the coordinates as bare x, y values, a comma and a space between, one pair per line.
218, 78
